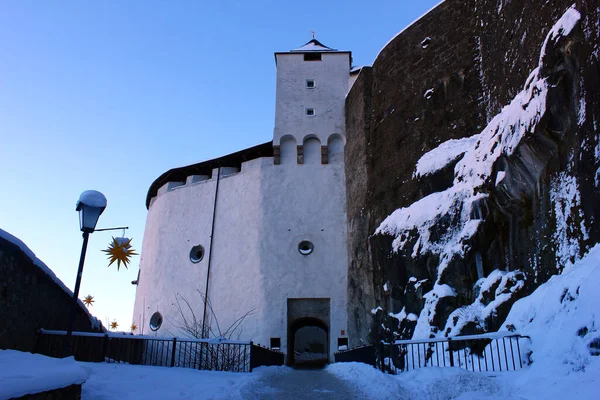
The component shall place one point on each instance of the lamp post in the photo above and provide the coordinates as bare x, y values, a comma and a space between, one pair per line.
90, 205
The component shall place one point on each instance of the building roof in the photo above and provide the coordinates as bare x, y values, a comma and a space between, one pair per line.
313, 45
205, 167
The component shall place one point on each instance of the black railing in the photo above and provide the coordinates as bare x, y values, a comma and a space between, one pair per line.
261, 356
478, 353
365, 354
205, 354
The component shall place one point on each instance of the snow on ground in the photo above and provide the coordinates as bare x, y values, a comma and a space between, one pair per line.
562, 318
25, 373
114, 381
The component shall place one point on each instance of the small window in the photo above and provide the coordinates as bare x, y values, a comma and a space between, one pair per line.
305, 247
156, 321
310, 112
275, 343
342, 343
310, 83
312, 56
197, 254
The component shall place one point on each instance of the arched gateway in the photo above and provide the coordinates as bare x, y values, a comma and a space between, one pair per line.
308, 332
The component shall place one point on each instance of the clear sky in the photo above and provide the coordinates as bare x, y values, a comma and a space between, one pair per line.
108, 95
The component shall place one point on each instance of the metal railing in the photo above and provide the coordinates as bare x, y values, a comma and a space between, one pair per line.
204, 354
500, 351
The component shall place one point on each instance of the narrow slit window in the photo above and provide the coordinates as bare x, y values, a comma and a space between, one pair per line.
310, 112
312, 56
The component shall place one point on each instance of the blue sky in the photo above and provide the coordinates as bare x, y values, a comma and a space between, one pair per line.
108, 95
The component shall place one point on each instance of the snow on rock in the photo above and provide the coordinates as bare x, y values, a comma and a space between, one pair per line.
91, 198
561, 28
25, 373
448, 214
495, 289
38, 263
565, 197
444, 154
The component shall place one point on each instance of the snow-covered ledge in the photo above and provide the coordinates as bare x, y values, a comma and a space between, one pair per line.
25, 373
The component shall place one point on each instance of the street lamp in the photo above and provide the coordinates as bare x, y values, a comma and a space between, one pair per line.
90, 205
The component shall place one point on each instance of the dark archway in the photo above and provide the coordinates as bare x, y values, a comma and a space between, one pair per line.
308, 342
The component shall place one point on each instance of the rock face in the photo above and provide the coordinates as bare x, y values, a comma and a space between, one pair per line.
472, 165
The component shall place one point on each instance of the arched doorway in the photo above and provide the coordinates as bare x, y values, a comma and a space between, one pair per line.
308, 342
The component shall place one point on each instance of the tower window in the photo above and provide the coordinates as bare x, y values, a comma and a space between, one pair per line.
310, 112
310, 83
312, 56
156, 321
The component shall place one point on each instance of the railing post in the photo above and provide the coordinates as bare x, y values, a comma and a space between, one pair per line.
173, 352
450, 351
104, 347
381, 357
251, 344
38, 337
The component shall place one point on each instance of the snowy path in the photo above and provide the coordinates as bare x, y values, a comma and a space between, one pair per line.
286, 383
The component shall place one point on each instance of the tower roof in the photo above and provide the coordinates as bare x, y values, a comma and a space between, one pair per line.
313, 45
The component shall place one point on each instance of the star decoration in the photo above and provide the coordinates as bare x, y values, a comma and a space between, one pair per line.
114, 325
88, 300
120, 251
133, 327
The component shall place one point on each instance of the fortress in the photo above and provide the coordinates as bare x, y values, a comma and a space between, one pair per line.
264, 229
288, 230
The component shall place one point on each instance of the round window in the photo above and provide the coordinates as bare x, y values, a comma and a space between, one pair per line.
305, 247
156, 321
197, 254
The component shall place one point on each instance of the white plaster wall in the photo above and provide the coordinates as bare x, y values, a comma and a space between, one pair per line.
331, 77
304, 202
181, 219
263, 212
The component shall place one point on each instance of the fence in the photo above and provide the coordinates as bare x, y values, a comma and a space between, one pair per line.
499, 351
205, 354
261, 356
365, 354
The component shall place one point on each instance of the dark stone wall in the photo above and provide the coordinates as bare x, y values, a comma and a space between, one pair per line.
473, 57
30, 300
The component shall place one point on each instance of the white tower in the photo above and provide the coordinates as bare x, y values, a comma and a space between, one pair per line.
312, 82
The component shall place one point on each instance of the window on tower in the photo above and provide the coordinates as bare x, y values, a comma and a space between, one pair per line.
312, 56
310, 83
310, 112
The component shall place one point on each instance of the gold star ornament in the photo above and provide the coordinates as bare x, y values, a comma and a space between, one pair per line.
114, 325
88, 300
120, 251
133, 327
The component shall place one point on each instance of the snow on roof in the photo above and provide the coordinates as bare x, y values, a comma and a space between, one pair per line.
314, 45
38, 263
27, 373
91, 198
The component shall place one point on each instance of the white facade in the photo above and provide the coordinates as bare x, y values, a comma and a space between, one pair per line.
262, 214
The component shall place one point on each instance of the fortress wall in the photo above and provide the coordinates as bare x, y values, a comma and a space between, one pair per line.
443, 77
